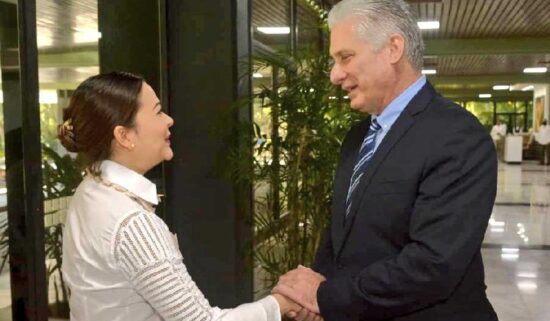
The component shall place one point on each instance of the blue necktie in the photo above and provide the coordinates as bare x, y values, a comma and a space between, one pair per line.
365, 154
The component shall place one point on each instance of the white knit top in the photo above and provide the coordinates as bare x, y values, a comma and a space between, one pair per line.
121, 262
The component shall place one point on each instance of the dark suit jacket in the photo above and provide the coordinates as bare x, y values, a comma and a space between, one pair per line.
410, 247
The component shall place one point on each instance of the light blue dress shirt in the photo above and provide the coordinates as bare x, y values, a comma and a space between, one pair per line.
393, 110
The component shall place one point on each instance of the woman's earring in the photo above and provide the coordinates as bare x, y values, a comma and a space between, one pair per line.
132, 146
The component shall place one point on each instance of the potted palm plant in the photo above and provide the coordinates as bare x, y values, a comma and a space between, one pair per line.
294, 160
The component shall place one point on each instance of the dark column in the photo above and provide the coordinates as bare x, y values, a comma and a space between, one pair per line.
23, 161
132, 40
525, 116
494, 112
209, 41
293, 17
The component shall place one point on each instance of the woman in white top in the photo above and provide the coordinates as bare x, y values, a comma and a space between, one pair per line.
119, 259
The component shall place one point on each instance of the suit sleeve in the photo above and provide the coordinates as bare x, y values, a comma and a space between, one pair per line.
447, 225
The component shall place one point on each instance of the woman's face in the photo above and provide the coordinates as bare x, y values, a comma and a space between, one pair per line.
152, 131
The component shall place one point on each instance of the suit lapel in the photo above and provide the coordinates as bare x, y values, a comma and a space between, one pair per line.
342, 179
399, 128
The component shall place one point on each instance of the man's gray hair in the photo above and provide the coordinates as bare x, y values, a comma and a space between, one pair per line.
378, 19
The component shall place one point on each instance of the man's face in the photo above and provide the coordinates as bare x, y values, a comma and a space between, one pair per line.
366, 76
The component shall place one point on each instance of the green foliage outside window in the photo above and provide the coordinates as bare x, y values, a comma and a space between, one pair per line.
483, 110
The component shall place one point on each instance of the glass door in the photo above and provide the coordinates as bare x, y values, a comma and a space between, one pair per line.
9, 101
67, 42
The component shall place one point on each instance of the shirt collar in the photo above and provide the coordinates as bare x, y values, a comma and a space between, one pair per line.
130, 180
393, 110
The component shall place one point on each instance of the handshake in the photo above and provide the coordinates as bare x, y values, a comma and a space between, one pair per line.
296, 293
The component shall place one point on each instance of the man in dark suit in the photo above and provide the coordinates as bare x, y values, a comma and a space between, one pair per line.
414, 188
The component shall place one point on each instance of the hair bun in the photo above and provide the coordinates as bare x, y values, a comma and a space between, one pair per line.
65, 133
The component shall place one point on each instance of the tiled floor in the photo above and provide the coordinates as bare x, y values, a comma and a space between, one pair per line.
517, 244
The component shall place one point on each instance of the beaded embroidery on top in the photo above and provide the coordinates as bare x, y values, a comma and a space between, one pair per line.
146, 205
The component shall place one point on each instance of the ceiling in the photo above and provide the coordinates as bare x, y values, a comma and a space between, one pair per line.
480, 43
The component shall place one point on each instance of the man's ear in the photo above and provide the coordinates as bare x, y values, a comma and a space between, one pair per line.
396, 47
123, 138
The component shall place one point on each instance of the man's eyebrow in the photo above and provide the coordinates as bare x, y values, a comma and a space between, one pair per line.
342, 52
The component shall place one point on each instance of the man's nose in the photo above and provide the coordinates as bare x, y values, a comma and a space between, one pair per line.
337, 75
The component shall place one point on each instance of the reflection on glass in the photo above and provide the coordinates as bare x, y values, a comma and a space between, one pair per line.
527, 287
262, 78
308, 28
527, 275
271, 14
68, 54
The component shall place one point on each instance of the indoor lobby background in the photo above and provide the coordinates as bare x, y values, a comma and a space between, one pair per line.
245, 80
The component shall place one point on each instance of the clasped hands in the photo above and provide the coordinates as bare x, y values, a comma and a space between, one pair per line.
300, 285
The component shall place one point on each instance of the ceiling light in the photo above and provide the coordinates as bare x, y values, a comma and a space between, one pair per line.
257, 75
274, 30
535, 70
485, 95
427, 25
527, 88
429, 71
510, 250
501, 87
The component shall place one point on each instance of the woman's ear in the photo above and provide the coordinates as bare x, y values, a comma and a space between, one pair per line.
123, 137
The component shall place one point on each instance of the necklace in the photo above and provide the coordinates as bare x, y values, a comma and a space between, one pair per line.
146, 205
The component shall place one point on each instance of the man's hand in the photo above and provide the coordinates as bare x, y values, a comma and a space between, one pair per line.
300, 285
304, 314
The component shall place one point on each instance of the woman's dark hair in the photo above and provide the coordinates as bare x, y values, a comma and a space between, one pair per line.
97, 106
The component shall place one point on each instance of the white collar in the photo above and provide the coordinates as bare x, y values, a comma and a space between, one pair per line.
130, 180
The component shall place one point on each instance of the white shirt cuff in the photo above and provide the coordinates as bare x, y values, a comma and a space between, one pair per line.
271, 307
